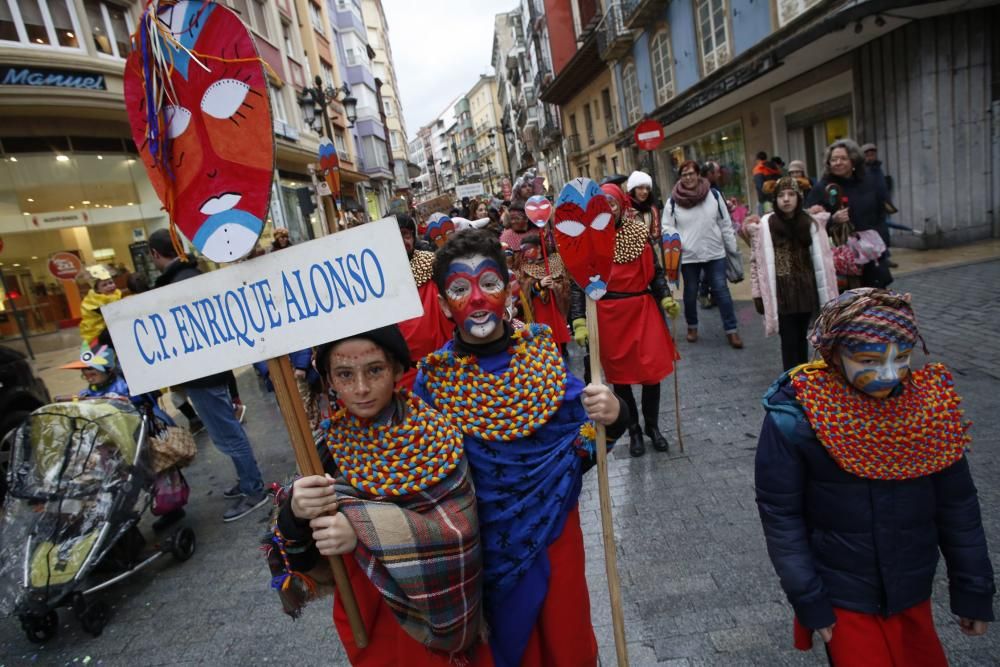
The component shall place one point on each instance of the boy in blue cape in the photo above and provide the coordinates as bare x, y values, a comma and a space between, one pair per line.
527, 428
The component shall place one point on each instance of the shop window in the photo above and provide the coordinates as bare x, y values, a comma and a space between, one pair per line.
40, 23
277, 103
609, 115
341, 144
713, 34
110, 27
725, 146
286, 35
662, 61
630, 90
252, 13
316, 16
792, 9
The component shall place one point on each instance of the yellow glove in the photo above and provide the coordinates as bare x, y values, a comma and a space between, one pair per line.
580, 331
670, 307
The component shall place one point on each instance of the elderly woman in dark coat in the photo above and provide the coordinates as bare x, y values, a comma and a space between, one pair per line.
860, 204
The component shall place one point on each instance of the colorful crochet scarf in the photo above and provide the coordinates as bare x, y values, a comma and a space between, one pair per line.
505, 406
423, 554
914, 433
397, 459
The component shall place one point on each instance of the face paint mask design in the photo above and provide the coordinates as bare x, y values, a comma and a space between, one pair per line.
201, 118
476, 295
439, 228
876, 368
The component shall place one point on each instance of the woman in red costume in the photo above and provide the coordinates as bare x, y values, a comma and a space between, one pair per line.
426, 333
636, 347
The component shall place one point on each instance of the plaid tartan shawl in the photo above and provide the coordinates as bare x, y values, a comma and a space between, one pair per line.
422, 552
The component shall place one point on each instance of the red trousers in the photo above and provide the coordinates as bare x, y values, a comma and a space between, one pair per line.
564, 634
388, 643
906, 639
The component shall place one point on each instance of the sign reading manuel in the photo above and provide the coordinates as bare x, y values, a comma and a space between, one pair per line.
285, 301
17, 75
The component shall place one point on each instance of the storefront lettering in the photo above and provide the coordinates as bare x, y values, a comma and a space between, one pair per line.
246, 313
36, 76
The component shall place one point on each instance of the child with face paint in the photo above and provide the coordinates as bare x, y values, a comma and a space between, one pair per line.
862, 480
528, 434
546, 293
397, 501
791, 268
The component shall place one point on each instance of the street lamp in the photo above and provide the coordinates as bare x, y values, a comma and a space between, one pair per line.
313, 102
488, 165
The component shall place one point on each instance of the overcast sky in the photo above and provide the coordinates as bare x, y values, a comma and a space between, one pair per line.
440, 47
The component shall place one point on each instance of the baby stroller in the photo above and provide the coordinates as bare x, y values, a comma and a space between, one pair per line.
80, 480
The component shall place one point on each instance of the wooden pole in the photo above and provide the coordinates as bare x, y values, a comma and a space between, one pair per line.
307, 458
610, 553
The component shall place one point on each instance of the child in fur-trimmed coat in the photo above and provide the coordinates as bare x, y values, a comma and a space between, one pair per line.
791, 268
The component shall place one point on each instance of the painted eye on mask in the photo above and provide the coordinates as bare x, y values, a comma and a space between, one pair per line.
224, 98
570, 227
177, 118
601, 221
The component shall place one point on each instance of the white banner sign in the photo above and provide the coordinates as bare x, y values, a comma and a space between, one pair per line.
469, 190
285, 301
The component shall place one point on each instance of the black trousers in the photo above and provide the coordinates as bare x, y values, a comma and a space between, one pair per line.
650, 403
793, 329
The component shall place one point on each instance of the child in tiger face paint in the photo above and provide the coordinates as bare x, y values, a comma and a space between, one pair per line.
862, 480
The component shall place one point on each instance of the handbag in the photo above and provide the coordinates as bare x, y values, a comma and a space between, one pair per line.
867, 246
171, 447
734, 266
170, 492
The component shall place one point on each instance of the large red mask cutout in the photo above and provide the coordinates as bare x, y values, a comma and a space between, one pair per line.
207, 140
585, 235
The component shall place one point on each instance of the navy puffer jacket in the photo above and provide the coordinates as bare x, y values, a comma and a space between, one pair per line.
838, 540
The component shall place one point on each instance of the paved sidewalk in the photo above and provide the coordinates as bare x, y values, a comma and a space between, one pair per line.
698, 588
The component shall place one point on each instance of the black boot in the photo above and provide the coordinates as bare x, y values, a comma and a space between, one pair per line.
660, 443
636, 447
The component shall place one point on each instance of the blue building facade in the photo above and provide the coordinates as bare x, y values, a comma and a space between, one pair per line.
730, 78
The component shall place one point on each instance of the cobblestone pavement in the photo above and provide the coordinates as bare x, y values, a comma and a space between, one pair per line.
698, 588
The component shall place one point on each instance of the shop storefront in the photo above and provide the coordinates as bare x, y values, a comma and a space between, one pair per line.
82, 195
723, 145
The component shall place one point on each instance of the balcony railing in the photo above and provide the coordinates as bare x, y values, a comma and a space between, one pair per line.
639, 13
614, 40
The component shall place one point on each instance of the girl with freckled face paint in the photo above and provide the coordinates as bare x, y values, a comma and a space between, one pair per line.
397, 502
863, 483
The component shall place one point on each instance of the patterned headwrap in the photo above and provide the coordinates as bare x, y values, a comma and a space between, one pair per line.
796, 184
865, 315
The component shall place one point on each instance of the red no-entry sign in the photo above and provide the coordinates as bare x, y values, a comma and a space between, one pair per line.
649, 134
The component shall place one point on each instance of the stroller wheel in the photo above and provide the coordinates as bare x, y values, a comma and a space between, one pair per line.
94, 616
40, 629
182, 544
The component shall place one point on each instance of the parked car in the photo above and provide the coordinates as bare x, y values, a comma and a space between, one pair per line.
21, 392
